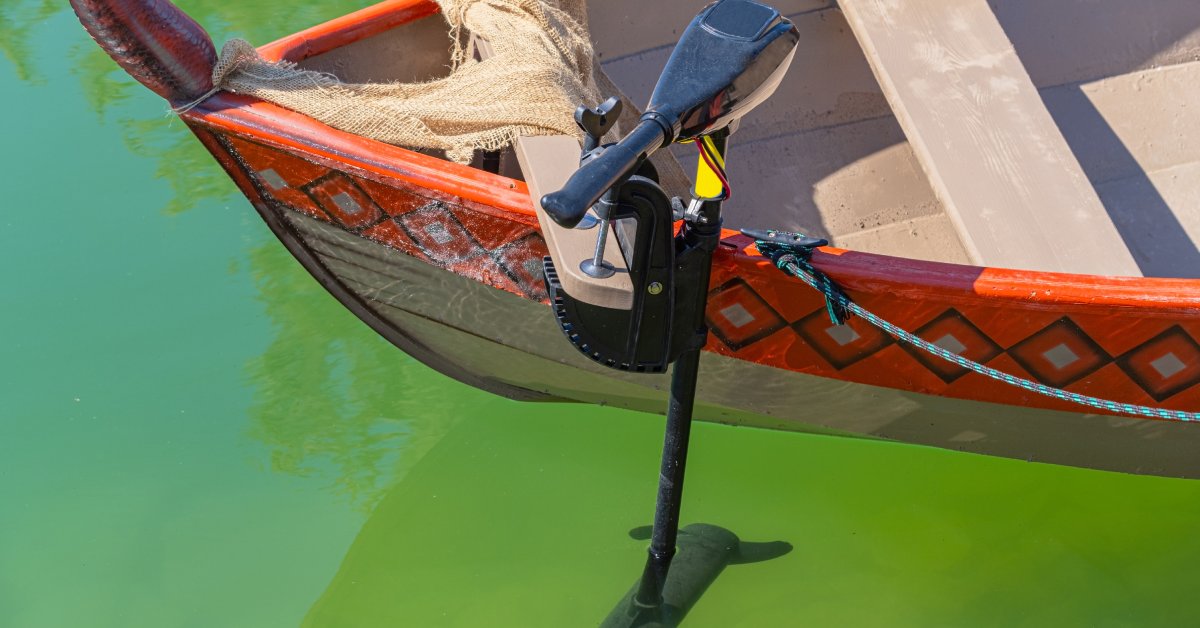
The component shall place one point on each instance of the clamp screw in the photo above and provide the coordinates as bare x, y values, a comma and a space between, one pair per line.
654, 288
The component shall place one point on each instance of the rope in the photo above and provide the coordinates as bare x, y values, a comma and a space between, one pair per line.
539, 70
796, 264
186, 107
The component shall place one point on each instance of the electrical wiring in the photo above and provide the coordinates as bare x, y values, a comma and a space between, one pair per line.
712, 158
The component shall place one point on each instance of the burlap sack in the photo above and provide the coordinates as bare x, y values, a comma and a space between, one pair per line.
539, 72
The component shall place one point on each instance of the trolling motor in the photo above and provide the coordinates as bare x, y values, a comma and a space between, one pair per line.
650, 313
731, 58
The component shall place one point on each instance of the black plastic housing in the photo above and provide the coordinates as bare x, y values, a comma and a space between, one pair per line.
638, 339
731, 58
663, 322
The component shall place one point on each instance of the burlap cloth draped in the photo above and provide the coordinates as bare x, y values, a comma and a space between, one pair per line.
541, 70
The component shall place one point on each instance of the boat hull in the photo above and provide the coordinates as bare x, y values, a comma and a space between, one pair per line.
444, 260
515, 346
508, 342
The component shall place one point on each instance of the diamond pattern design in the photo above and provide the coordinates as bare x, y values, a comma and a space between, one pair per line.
278, 176
842, 334
951, 343
1168, 365
490, 232
1060, 354
504, 253
954, 333
523, 261
738, 316
507, 254
390, 233
840, 345
1165, 365
272, 179
439, 234
344, 201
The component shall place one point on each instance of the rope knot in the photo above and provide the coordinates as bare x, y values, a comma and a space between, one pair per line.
792, 253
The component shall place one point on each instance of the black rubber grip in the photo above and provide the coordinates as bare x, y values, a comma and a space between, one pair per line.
568, 205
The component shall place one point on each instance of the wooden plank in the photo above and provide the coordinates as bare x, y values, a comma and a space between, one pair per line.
548, 161
1004, 173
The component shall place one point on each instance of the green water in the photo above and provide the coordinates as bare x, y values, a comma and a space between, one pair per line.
192, 433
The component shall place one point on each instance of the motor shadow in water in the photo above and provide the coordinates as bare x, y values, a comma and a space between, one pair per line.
704, 550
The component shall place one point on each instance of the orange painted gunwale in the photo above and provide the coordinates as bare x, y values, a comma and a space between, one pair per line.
894, 287
351, 27
274, 125
856, 270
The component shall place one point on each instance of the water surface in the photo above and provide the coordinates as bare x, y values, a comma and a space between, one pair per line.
193, 433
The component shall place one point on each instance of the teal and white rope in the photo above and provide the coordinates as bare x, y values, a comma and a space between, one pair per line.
839, 305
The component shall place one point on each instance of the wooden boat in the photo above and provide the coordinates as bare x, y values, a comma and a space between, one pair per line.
973, 163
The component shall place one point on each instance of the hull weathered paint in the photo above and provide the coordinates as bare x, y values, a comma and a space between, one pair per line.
463, 322
443, 260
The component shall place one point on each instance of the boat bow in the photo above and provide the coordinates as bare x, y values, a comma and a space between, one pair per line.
155, 42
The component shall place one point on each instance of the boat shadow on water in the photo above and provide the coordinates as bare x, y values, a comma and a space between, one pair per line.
705, 550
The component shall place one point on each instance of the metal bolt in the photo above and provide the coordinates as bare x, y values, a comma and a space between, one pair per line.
654, 288
597, 267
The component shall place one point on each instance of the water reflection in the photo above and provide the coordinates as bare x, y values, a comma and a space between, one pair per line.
182, 162
514, 514
330, 396
17, 21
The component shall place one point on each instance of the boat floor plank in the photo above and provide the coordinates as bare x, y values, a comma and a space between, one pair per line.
995, 157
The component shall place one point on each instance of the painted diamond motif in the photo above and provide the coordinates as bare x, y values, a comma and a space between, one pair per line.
533, 267
272, 178
955, 333
439, 233
1165, 365
1168, 365
1059, 355
840, 345
951, 344
738, 316
522, 259
344, 201
267, 163
842, 334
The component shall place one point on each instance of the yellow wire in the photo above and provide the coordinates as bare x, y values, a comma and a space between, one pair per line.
708, 184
